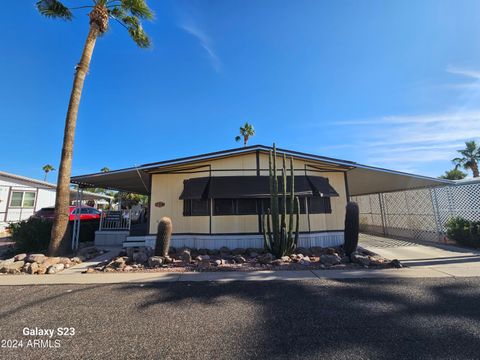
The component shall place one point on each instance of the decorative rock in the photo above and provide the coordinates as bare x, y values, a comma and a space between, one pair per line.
49, 261
119, 263
218, 262
140, 257
76, 260
305, 261
396, 264
316, 250
12, 268
39, 258
225, 250
172, 250
360, 259
345, 259
6, 261
239, 259
203, 251
90, 270
186, 256
265, 258
155, 261
213, 252
238, 251
20, 257
167, 260
26, 267
285, 259
42, 270
253, 254
202, 258
304, 251
55, 268
329, 260
331, 251
128, 268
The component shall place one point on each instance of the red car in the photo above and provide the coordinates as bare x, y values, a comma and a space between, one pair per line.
86, 213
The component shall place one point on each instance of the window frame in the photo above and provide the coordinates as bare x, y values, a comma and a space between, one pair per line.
188, 207
22, 201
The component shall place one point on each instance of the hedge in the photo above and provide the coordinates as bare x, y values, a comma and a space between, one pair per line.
463, 231
33, 235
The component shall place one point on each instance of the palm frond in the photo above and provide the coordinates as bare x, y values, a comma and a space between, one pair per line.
139, 36
137, 8
237, 138
54, 9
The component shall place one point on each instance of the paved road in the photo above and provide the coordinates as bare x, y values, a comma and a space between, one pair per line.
340, 319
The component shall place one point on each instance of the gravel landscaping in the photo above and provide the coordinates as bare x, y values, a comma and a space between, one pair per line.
40, 264
224, 259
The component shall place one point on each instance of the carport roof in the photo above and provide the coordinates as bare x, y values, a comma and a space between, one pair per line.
362, 179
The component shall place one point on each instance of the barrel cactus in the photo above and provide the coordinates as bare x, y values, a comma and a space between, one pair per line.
351, 228
164, 235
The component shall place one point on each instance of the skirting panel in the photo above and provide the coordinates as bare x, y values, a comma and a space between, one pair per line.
110, 238
323, 239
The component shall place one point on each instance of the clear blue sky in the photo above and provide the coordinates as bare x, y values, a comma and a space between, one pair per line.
386, 83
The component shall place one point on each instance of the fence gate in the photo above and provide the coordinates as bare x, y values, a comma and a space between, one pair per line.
418, 214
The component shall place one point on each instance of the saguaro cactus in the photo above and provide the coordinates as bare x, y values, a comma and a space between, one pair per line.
164, 234
280, 239
351, 228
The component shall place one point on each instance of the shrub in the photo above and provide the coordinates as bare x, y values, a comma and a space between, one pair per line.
33, 235
351, 228
463, 231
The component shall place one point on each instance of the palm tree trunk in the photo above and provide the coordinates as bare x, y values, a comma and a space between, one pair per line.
45, 177
475, 169
60, 234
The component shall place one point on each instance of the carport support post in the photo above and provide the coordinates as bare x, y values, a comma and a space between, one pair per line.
74, 230
79, 220
382, 212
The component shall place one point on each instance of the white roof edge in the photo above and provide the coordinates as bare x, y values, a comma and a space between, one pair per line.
350, 164
27, 179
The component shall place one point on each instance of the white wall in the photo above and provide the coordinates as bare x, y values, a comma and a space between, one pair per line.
45, 197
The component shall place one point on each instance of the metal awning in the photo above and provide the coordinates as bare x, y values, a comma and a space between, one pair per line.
238, 187
362, 179
195, 189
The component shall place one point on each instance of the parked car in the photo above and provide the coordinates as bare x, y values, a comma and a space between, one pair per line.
86, 213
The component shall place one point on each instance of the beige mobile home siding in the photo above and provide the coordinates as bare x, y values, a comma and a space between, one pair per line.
168, 187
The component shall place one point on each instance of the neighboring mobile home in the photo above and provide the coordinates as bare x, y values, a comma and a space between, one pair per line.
21, 196
218, 199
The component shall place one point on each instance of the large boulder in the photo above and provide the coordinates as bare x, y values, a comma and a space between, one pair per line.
239, 259
38, 258
360, 259
49, 261
202, 258
120, 262
33, 268
20, 257
330, 260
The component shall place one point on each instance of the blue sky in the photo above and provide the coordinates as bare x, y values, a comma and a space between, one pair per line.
386, 83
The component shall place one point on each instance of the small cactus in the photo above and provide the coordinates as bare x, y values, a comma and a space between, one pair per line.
164, 235
351, 228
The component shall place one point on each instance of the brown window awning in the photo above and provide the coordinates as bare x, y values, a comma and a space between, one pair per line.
321, 186
238, 187
195, 189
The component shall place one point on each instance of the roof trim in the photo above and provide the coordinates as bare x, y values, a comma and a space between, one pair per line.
250, 149
27, 179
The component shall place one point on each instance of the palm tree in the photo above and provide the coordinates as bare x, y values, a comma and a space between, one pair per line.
105, 169
454, 174
470, 159
47, 168
246, 131
127, 13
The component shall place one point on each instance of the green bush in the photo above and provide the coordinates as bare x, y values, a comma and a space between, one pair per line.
33, 235
463, 231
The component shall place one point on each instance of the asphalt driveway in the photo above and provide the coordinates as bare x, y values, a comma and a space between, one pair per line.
361, 319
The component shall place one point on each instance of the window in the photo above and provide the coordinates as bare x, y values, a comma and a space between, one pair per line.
196, 207
302, 201
224, 207
24, 199
247, 206
319, 205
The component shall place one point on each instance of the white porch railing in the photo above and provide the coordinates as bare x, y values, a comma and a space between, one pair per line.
116, 220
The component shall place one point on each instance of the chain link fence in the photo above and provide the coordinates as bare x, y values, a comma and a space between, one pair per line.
418, 214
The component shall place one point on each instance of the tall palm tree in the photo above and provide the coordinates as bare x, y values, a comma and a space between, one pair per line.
47, 168
105, 169
127, 13
454, 174
470, 158
246, 131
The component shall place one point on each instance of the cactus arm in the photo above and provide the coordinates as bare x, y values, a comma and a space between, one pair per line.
274, 198
297, 225
292, 200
